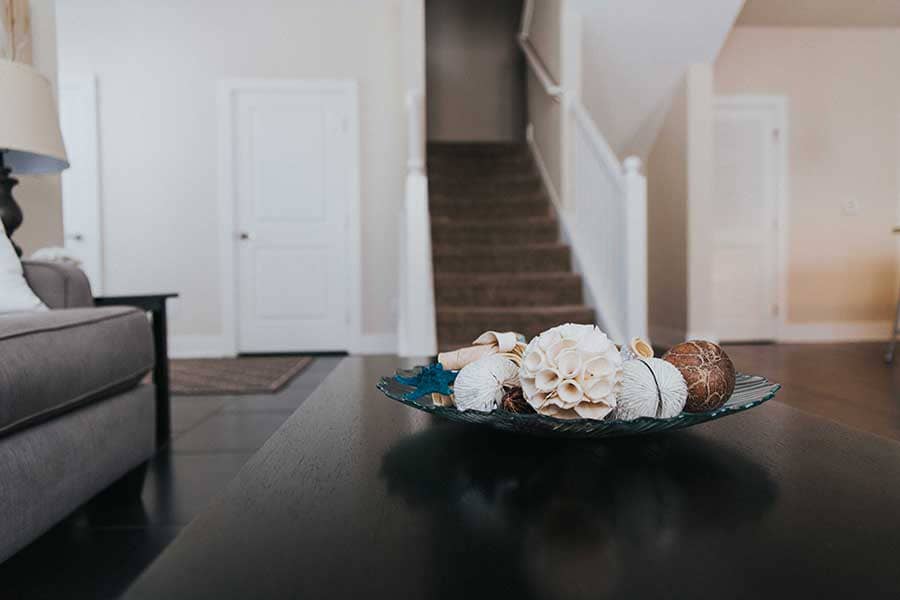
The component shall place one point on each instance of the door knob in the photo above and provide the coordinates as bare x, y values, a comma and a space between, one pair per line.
246, 236
75, 236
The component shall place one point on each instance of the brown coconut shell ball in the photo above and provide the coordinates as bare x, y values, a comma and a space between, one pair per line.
708, 372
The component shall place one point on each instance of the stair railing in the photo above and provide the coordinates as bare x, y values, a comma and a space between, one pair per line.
416, 327
602, 203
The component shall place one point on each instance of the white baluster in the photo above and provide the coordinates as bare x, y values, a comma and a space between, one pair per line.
636, 248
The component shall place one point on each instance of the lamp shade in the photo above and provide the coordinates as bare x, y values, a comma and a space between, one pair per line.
30, 139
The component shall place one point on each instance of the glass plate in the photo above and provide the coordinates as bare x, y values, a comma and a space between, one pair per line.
414, 388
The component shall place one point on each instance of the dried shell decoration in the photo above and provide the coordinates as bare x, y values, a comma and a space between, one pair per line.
486, 344
481, 385
651, 388
570, 372
637, 348
490, 343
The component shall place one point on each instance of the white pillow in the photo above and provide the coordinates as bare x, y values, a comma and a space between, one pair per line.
15, 295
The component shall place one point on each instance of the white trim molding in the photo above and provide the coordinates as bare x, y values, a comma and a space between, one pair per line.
836, 331
376, 344
199, 346
553, 89
542, 167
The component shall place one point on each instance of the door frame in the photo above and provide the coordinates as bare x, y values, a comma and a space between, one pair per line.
228, 90
86, 85
778, 106
896, 236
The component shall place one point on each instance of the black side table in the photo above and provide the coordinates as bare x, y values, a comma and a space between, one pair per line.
155, 304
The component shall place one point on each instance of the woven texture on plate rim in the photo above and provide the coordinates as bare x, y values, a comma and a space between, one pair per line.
414, 388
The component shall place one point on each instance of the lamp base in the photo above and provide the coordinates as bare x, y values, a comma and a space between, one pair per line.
10, 212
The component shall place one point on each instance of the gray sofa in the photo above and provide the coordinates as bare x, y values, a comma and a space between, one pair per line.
74, 416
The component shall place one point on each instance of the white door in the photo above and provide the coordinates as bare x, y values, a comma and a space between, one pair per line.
294, 148
745, 215
82, 220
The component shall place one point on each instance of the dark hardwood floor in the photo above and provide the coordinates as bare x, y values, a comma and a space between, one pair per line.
847, 383
101, 548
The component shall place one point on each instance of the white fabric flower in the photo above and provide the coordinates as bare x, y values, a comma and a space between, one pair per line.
572, 371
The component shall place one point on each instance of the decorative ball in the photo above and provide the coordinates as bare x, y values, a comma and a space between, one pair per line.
651, 387
571, 372
481, 385
708, 371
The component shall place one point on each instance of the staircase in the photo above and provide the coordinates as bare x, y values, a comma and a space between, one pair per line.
498, 263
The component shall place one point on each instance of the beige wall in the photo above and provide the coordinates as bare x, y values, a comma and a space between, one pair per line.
544, 113
679, 185
40, 196
476, 74
157, 66
546, 28
844, 120
667, 210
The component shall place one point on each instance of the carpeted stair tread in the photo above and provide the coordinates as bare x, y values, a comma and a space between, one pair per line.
515, 259
466, 323
449, 231
483, 189
476, 149
480, 170
498, 263
484, 180
477, 206
507, 289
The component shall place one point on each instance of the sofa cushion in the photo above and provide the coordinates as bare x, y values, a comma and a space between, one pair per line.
57, 360
58, 285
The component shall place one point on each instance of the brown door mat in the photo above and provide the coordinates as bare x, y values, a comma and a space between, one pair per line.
243, 375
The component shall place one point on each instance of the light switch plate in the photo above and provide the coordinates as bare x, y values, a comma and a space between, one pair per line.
850, 208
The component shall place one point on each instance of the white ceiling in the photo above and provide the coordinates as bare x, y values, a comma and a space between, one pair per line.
821, 13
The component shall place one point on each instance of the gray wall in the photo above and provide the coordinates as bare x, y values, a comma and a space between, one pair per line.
476, 74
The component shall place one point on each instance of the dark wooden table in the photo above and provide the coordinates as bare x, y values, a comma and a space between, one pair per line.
155, 304
357, 496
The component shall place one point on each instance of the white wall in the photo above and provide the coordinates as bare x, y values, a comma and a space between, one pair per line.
635, 54
844, 144
157, 65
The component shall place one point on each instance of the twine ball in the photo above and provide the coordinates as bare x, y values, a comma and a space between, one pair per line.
651, 387
708, 371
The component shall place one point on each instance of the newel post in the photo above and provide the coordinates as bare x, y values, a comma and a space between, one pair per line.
416, 327
636, 247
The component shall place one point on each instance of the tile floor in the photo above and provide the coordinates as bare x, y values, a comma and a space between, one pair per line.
99, 550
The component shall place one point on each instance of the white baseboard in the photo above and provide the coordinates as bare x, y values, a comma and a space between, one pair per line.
197, 346
376, 343
837, 331
214, 346
541, 165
